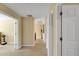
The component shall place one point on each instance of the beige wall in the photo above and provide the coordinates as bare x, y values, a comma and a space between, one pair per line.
28, 31
55, 31
54, 28
52, 31
7, 28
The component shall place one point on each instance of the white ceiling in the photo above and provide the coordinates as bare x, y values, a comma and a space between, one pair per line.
37, 10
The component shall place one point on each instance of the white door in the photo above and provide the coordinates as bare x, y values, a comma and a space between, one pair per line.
70, 30
16, 38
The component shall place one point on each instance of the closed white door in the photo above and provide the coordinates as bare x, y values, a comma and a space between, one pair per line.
70, 30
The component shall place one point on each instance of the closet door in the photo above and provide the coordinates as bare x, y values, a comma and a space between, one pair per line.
70, 30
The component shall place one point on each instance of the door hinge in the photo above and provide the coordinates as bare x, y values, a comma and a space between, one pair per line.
61, 39
60, 13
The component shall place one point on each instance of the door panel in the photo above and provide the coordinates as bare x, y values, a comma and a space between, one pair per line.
70, 30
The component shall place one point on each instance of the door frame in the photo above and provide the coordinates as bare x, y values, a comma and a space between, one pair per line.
48, 33
59, 29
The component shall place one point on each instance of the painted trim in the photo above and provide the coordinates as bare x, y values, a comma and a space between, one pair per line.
59, 29
19, 47
47, 35
34, 34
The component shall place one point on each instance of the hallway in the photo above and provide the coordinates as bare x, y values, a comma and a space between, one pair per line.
38, 50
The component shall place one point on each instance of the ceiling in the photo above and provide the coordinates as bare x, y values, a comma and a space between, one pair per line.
37, 10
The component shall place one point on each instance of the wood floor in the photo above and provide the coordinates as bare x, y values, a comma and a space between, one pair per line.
38, 50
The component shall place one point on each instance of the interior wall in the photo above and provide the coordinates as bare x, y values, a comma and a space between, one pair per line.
7, 28
52, 31
28, 31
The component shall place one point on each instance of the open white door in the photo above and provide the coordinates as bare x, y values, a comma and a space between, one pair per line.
17, 41
70, 30
16, 35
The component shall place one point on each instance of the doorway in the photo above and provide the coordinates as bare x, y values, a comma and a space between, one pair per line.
39, 29
9, 28
40, 40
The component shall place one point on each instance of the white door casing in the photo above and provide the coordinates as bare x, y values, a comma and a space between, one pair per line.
49, 34
59, 29
16, 35
70, 30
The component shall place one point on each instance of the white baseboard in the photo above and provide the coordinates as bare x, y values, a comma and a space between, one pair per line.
44, 41
18, 47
